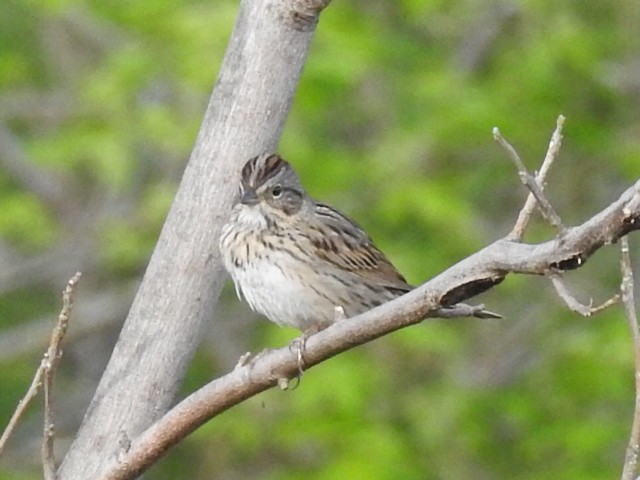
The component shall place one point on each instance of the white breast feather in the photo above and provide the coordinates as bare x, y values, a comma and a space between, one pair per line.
270, 292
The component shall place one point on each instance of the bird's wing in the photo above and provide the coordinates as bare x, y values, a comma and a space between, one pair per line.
341, 242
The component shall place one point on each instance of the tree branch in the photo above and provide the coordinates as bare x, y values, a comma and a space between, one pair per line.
552, 153
49, 367
472, 275
46, 371
532, 183
572, 302
245, 117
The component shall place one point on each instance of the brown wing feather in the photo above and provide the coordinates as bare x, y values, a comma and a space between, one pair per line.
340, 241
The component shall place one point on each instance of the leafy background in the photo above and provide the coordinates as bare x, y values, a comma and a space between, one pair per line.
100, 103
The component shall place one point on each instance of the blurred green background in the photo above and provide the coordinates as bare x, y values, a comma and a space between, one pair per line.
100, 103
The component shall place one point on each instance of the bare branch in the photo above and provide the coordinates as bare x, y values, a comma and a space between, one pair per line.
245, 116
32, 391
629, 471
476, 273
545, 207
45, 370
49, 365
585, 310
552, 153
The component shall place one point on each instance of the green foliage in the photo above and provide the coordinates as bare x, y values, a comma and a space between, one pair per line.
391, 124
25, 221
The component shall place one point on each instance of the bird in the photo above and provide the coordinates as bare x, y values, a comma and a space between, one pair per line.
299, 262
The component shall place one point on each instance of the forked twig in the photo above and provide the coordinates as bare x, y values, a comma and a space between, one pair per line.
534, 183
573, 303
537, 198
552, 153
32, 391
49, 366
44, 376
630, 468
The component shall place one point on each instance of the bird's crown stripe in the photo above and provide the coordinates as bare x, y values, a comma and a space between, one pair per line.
261, 168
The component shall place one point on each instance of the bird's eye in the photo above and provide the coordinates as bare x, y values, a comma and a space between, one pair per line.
276, 191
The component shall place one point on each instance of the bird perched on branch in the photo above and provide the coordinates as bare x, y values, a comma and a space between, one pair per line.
295, 260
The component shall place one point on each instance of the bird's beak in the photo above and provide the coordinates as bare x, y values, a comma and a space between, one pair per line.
249, 197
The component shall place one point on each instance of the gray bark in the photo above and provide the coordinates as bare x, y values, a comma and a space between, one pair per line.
245, 116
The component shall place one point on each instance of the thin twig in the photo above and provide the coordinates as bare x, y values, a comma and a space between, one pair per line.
20, 409
552, 153
545, 207
45, 372
50, 364
573, 303
630, 468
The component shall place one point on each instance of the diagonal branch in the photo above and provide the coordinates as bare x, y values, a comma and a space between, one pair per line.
49, 367
552, 153
572, 302
532, 183
44, 374
245, 116
537, 198
472, 275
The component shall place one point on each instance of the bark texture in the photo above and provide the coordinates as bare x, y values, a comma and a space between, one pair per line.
245, 116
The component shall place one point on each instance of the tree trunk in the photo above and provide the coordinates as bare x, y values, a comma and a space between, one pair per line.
245, 116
